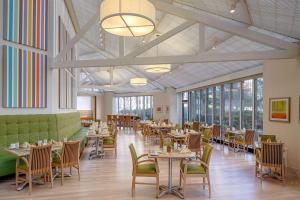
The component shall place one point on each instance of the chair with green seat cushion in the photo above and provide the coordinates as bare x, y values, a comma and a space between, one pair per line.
265, 138
197, 168
207, 135
143, 168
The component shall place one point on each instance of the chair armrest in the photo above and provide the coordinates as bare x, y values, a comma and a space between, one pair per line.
24, 159
204, 164
141, 156
148, 160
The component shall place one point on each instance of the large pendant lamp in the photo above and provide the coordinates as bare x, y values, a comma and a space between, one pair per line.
138, 81
127, 17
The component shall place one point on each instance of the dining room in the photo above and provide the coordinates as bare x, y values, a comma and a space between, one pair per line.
149, 99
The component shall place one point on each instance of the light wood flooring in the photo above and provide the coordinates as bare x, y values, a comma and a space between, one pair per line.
232, 177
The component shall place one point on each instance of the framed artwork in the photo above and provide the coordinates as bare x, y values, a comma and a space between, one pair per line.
159, 109
280, 109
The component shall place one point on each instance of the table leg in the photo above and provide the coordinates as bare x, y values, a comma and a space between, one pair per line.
96, 153
174, 190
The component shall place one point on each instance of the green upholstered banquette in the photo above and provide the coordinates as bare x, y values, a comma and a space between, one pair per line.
31, 128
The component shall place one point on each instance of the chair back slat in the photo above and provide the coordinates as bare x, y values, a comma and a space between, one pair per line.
40, 159
216, 131
249, 137
194, 141
196, 126
272, 154
70, 153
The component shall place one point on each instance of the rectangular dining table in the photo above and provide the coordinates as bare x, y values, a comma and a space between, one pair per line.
170, 189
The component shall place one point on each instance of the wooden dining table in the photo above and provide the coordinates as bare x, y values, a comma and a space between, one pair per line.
170, 189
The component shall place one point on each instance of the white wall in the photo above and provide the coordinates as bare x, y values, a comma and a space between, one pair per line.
282, 79
56, 8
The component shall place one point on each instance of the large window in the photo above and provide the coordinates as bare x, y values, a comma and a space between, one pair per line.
210, 101
217, 104
237, 104
141, 106
247, 111
226, 119
259, 104
84, 103
203, 105
185, 107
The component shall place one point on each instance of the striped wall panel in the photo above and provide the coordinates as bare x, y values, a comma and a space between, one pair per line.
25, 22
24, 78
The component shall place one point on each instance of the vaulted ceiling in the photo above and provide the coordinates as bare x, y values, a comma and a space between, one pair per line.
277, 19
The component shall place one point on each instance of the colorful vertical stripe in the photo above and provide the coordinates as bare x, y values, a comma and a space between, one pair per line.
25, 78
25, 22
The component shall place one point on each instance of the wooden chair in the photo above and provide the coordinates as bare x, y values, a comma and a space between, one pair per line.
196, 126
228, 139
194, 143
216, 132
266, 138
166, 121
69, 157
206, 136
270, 156
143, 168
110, 143
245, 140
38, 164
198, 168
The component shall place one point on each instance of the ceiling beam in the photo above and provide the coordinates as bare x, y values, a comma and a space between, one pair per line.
201, 38
160, 39
72, 14
78, 36
223, 25
201, 58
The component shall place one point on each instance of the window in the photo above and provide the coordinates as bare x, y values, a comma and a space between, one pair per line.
185, 107
203, 106
217, 104
259, 105
210, 105
84, 103
141, 106
236, 105
226, 105
197, 106
247, 110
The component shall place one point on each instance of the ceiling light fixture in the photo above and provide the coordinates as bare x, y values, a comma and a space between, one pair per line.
127, 18
161, 68
138, 81
158, 68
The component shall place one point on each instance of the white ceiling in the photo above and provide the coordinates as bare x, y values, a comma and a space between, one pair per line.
278, 18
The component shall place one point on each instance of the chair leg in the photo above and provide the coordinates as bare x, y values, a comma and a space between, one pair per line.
30, 183
17, 179
62, 175
133, 186
184, 183
157, 186
78, 170
51, 178
209, 186
203, 183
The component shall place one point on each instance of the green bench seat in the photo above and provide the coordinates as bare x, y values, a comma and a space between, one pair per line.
31, 128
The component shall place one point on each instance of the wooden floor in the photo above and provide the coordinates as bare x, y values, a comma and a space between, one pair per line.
232, 177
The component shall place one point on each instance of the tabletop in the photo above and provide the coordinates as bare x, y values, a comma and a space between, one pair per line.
21, 152
174, 154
